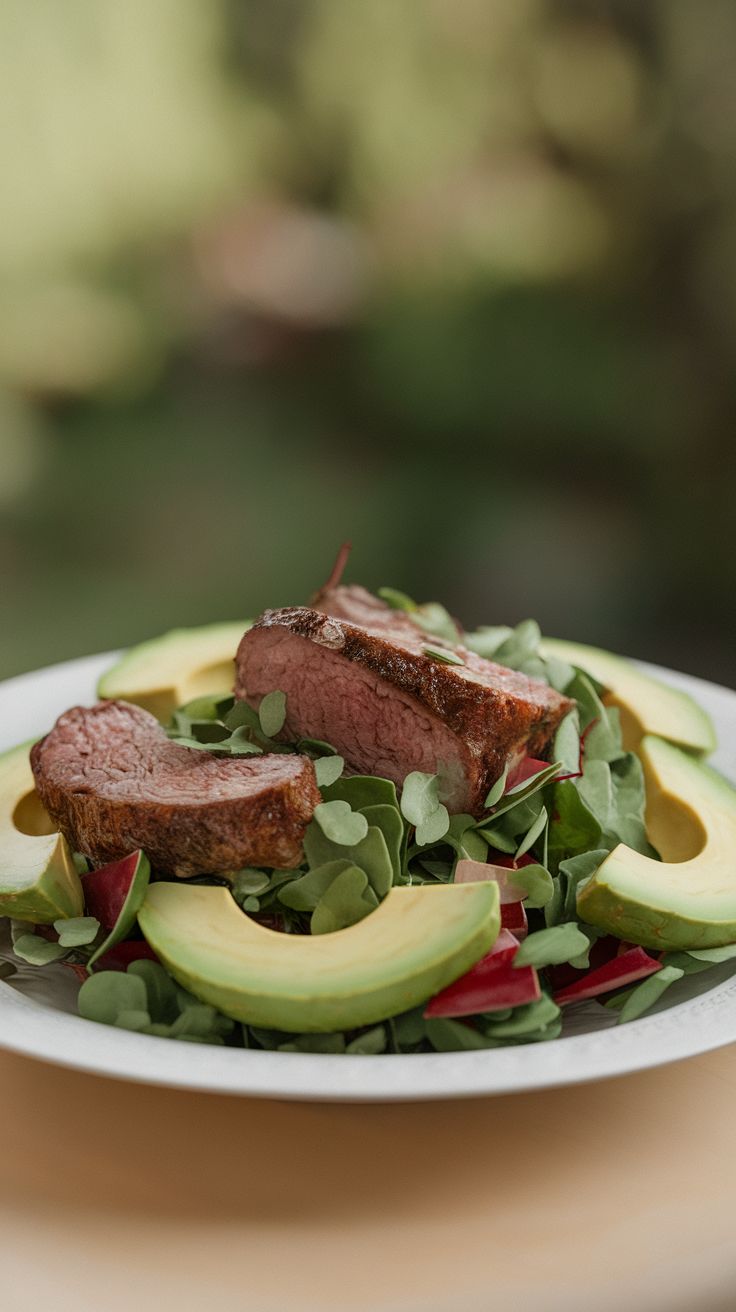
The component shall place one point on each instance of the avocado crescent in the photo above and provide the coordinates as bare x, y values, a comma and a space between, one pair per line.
419, 939
172, 670
688, 899
38, 878
646, 705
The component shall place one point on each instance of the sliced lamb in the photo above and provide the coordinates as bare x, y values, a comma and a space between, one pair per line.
113, 782
389, 707
359, 606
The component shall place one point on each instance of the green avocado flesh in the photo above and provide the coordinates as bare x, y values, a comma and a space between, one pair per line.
688, 899
418, 940
170, 671
38, 881
646, 706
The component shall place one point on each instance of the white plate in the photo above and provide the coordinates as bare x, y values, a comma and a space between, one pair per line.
696, 1014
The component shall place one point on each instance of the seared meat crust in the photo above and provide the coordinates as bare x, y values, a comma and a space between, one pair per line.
113, 782
390, 708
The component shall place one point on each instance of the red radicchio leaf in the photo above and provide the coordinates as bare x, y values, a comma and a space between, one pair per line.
630, 966
513, 918
106, 889
602, 951
526, 769
491, 984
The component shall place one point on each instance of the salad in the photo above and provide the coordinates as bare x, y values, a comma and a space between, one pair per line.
390, 920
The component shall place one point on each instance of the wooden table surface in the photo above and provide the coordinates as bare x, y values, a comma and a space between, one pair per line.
620, 1194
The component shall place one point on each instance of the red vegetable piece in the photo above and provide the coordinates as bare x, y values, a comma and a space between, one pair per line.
601, 951
489, 985
117, 891
510, 862
513, 918
120, 957
526, 769
106, 889
630, 966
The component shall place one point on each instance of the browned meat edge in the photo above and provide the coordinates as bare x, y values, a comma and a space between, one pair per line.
113, 782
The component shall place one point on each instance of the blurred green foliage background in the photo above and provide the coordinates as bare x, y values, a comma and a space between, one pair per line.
455, 279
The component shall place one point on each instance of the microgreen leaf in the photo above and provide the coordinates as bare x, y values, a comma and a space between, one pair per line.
523, 1020
327, 1043
76, 931
574, 829
566, 749
251, 905
388, 820
551, 947
521, 793
161, 996
236, 747
132, 1019
520, 645
210, 707
363, 790
536, 882
348, 899
442, 654
369, 1044
208, 731
20, 927
434, 828
558, 674
497, 790
714, 955
328, 770
419, 799
37, 950
340, 823
397, 600
532, 833
410, 1026
648, 992
103, 996
314, 747
242, 716
435, 620
371, 854
272, 713
487, 639
305, 894
192, 743
452, 1036
247, 883
200, 1021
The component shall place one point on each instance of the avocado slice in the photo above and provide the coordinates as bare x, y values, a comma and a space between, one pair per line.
688, 899
170, 671
417, 941
646, 706
38, 879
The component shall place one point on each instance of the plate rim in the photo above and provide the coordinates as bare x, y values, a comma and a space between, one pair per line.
30, 1028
